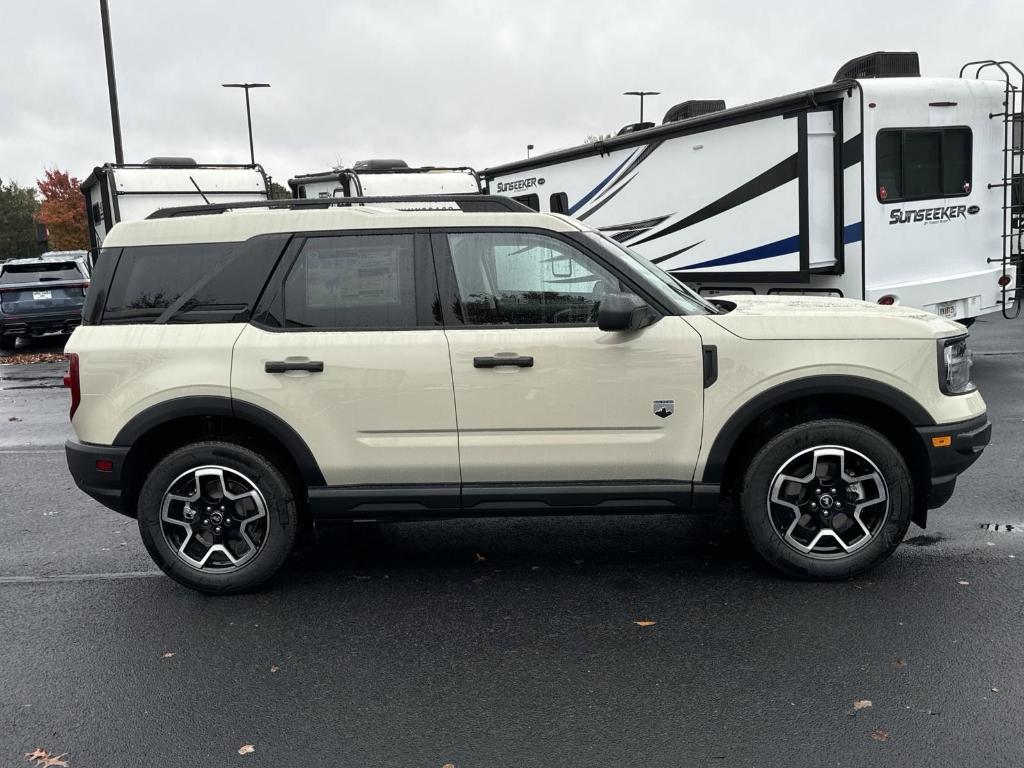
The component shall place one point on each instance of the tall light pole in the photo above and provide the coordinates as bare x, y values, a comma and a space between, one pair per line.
641, 94
248, 111
108, 51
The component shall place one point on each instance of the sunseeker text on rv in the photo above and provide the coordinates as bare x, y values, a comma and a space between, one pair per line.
947, 213
514, 186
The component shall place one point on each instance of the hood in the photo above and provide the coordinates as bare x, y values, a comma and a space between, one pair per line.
826, 317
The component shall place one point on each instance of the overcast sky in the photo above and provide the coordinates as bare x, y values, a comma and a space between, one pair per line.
440, 82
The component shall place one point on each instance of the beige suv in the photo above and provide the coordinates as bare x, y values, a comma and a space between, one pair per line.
245, 370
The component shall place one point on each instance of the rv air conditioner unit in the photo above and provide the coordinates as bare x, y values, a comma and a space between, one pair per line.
693, 108
172, 162
633, 128
880, 64
379, 164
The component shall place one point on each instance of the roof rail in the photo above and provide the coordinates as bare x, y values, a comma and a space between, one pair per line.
466, 203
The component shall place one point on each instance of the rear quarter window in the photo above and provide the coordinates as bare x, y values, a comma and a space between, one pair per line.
192, 283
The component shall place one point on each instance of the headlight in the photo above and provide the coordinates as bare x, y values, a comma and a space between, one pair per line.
955, 361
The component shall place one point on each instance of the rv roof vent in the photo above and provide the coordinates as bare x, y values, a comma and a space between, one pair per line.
379, 164
633, 128
183, 162
693, 108
880, 64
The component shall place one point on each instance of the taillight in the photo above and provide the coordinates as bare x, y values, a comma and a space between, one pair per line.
72, 382
887, 301
1004, 280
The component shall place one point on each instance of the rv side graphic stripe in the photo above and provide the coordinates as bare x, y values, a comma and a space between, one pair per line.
668, 256
647, 152
853, 150
852, 233
774, 177
778, 248
600, 186
608, 199
645, 224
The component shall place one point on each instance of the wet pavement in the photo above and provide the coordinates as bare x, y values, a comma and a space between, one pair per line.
512, 642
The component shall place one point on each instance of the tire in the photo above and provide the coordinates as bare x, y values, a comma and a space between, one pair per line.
967, 322
256, 510
782, 510
8, 343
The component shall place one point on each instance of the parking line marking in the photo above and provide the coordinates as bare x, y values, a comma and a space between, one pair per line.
64, 577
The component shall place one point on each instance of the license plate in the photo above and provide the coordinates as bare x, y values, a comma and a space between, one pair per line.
42, 295
947, 309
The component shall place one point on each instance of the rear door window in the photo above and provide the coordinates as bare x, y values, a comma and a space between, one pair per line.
356, 282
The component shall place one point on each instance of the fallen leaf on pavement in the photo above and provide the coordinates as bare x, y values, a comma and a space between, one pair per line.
478, 558
995, 690
963, 583
645, 623
167, 655
44, 759
880, 734
246, 749
13, 418
899, 663
274, 668
448, 765
862, 704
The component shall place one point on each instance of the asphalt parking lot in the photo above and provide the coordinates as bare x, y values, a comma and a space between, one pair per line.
512, 642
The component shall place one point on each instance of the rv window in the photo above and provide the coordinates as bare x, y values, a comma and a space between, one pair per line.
922, 163
559, 202
356, 282
530, 201
187, 283
517, 278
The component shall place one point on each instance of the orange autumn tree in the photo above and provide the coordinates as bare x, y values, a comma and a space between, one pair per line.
62, 211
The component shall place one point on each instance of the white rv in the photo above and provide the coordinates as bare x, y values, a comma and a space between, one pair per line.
386, 178
883, 185
127, 192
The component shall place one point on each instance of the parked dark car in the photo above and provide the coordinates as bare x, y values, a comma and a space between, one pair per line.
40, 296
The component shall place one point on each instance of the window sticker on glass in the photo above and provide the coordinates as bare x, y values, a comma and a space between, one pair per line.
344, 278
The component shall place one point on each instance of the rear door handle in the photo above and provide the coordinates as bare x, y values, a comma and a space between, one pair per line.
519, 361
282, 366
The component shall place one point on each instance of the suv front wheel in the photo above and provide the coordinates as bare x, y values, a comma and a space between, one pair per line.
217, 517
827, 499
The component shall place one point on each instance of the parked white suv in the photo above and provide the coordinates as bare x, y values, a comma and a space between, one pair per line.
240, 373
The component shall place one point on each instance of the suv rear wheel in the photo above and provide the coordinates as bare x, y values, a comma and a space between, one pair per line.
217, 517
8, 343
827, 499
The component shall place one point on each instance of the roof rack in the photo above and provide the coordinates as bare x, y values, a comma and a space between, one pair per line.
466, 203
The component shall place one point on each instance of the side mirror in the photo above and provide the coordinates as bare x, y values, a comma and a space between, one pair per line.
624, 312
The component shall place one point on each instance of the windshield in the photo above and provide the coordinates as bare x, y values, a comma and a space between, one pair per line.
657, 279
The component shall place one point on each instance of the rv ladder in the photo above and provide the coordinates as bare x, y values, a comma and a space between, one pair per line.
1012, 182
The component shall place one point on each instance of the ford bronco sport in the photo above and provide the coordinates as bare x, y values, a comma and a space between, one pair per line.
244, 370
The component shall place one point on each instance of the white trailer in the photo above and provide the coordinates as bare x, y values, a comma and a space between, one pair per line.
882, 185
386, 178
130, 192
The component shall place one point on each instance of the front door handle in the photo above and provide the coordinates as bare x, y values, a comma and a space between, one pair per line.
283, 366
519, 361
